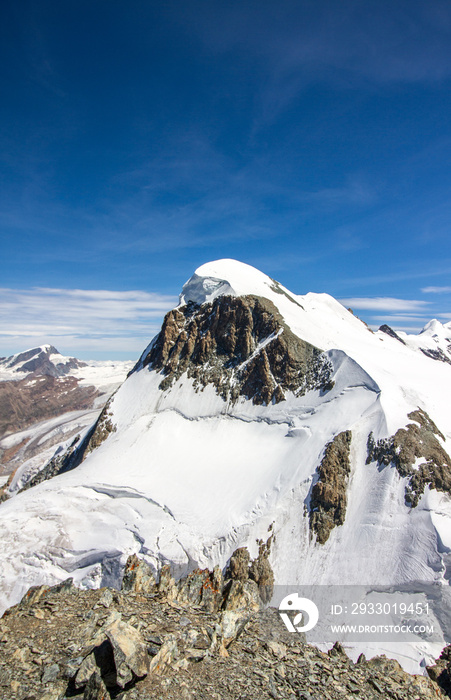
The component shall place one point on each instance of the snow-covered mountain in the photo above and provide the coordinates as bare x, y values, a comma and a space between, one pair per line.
254, 413
43, 360
434, 340
46, 399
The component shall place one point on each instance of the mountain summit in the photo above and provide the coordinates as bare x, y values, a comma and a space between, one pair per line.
256, 417
44, 360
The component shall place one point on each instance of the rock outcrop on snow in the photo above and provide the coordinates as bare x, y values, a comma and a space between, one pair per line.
242, 346
328, 499
417, 454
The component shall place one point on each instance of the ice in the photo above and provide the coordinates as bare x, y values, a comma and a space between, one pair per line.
186, 478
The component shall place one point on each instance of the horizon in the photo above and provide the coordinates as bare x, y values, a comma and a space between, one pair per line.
352, 304
309, 140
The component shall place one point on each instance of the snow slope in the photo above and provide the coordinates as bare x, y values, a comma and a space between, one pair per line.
25, 449
187, 477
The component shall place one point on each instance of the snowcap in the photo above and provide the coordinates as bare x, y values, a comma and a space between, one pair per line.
225, 277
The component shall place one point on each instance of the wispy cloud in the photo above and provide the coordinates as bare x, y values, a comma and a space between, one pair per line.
436, 290
396, 319
385, 304
88, 320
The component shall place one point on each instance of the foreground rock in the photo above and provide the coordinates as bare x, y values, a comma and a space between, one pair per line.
61, 643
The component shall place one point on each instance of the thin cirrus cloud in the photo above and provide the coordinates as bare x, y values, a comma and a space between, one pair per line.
86, 320
436, 290
385, 304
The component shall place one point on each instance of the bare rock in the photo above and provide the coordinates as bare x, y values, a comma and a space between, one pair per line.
202, 587
138, 576
418, 440
261, 571
167, 654
328, 498
238, 566
166, 584
33, 595
242, 596
96, 688
129, 651
222, 343
51, 673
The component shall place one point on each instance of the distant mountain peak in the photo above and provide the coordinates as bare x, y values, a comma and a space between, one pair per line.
39, 361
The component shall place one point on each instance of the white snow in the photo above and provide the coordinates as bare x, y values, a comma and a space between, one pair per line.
187, 478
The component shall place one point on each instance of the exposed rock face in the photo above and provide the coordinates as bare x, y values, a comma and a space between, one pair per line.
389, 331
33, 399
416, 441
441, 671
238, 566
328, 498
261, 572
57, 465
101, 430
138, 576
129, 652
242, 346
241, 568
436, 354
62, 642
201, 587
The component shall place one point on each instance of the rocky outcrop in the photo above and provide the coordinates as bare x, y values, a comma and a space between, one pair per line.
328, 496
102, 428
241, 568
242, 346
436, 354
201, 587
59, 464
440, 672
138, 576
261, 571
417, 441
389, 331
238, 566
62, 642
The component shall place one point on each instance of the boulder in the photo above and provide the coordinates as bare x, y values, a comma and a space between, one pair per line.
138, 576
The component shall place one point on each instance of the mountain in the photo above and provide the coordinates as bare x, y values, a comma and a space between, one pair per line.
46, 399
255, 419
434, 340
43, 360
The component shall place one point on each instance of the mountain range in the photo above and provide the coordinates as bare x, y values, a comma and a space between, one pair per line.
46, 399
257, 419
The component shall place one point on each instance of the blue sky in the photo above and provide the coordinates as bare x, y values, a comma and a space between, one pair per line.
139, 140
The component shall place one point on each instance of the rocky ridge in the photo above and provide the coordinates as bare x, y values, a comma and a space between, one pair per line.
389, 331
436, 354
203, 637
417, 441
242, 346
38, 362
328, 497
